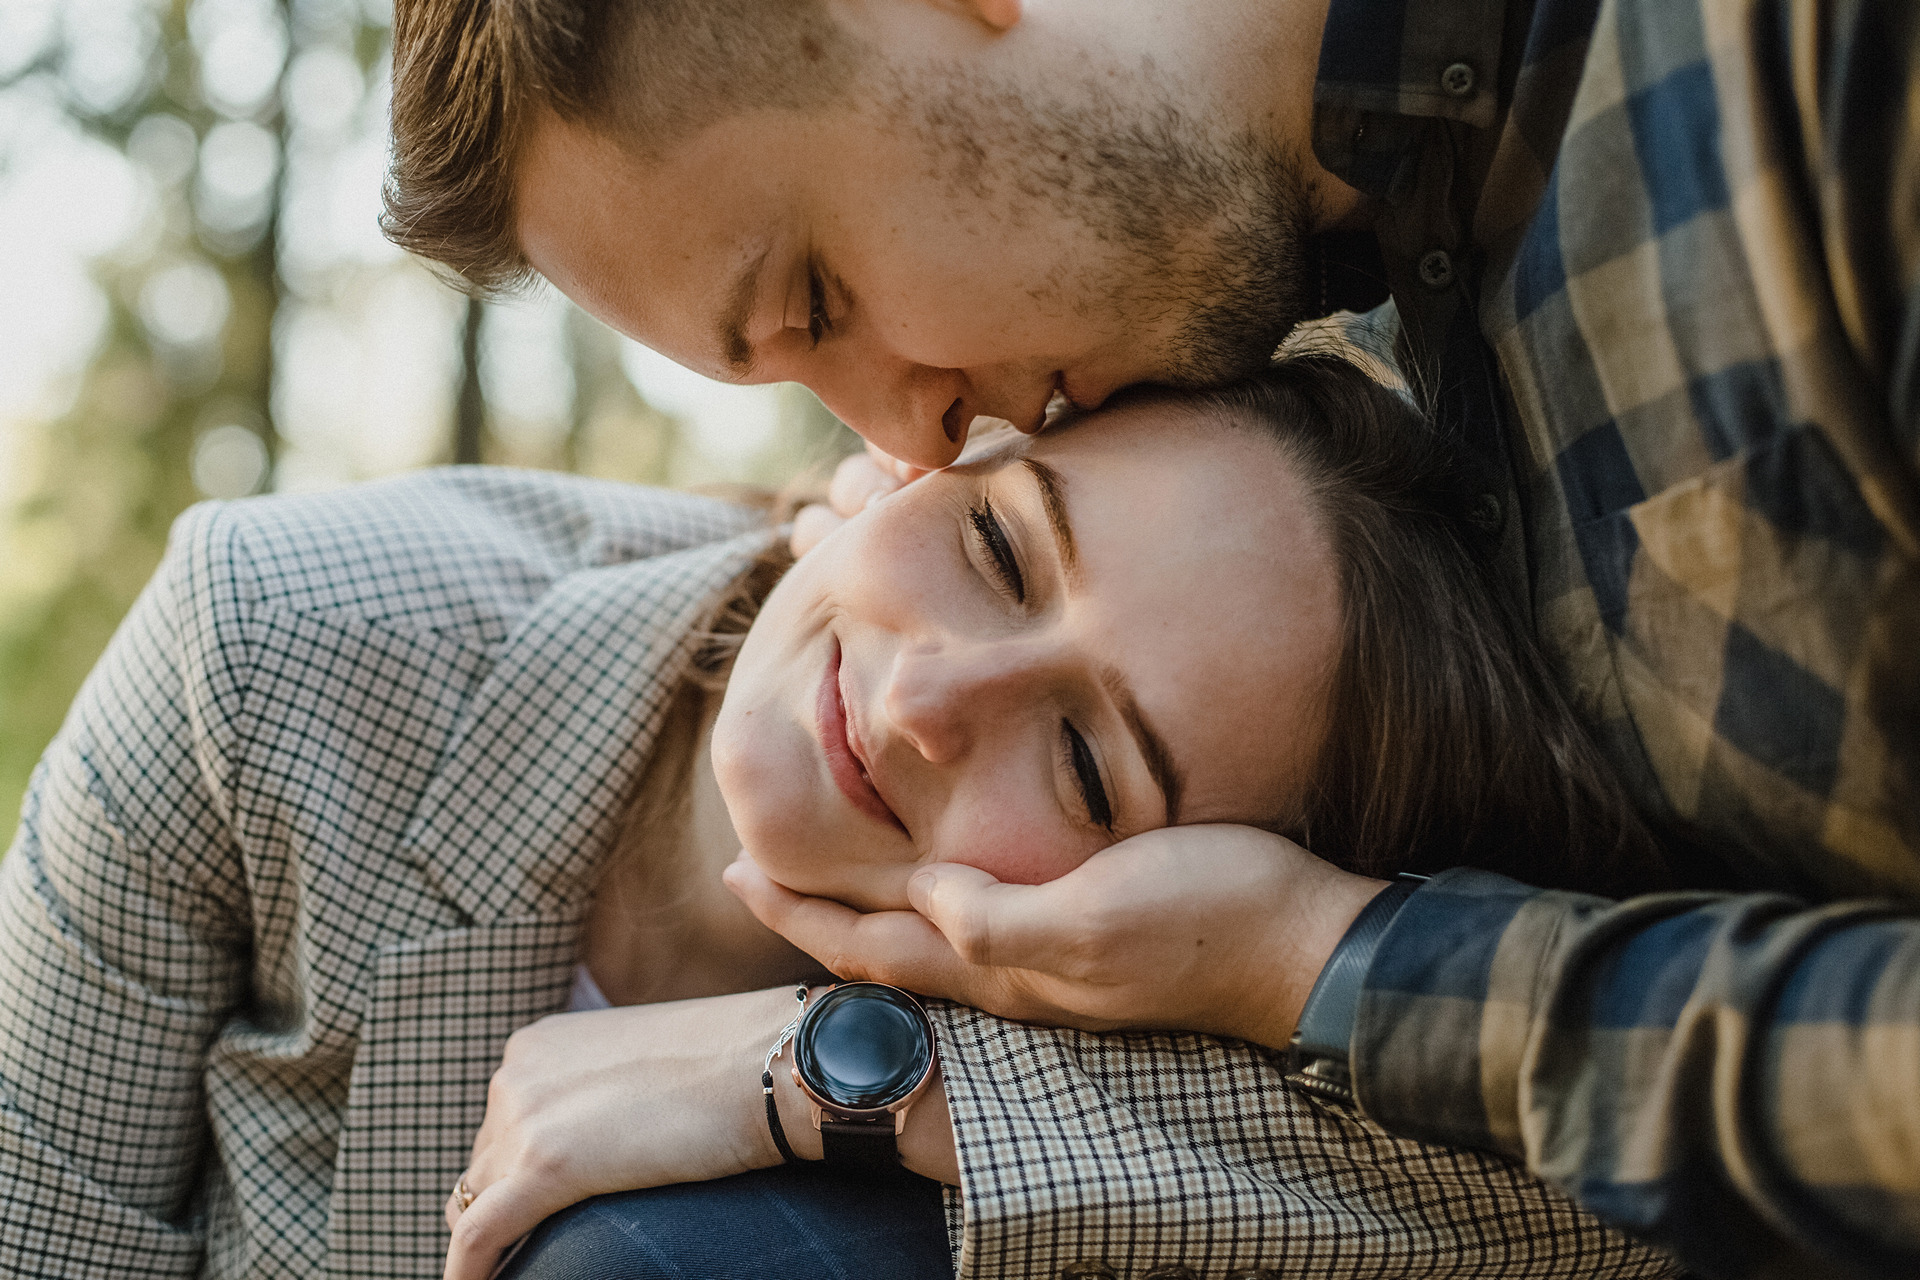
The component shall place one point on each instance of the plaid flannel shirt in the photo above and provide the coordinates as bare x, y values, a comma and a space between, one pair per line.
1667, 253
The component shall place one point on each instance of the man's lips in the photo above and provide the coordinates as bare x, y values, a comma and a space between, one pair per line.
849, 774
1060, 402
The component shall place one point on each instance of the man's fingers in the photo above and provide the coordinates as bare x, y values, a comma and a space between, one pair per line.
896, 947
953, 897
772, 904
1006, 926
498, 1216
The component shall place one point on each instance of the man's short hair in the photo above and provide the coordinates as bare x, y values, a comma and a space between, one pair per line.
468, 74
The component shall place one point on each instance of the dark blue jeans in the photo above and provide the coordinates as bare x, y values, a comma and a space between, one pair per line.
792, 1223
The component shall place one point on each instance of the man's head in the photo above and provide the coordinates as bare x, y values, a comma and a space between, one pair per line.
925, 210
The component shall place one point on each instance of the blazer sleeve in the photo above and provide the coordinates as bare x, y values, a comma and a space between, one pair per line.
1127, 1157
123, 945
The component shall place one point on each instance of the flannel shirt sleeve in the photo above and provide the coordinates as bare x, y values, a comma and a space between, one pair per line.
1136, 1157
123, 943
1726, 1076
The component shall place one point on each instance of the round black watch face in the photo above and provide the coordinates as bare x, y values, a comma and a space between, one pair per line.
864, 1046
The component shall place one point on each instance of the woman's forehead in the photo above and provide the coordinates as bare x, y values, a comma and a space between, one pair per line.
1209, 583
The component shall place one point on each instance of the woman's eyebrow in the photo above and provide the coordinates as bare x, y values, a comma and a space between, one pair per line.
1053, 499
1153, 748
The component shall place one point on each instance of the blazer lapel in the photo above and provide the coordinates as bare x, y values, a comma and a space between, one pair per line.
439, 1011
545, 756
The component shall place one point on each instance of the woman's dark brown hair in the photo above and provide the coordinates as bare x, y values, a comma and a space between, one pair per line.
1448, 743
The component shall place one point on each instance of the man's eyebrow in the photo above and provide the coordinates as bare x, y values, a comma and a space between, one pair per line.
1053, 499
732, 324
1153, 748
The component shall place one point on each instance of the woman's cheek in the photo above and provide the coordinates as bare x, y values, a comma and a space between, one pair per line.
1024, 853
771, 797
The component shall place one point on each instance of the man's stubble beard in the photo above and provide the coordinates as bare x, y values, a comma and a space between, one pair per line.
1203, 234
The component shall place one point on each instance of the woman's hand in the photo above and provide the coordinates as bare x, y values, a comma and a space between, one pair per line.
860, 479
1217, 929
643, 1096
587, 1103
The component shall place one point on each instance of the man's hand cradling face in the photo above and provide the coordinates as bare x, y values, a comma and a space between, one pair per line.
860, 479
1217, 929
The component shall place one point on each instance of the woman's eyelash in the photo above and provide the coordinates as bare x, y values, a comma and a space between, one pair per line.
818, 325
1080, 759
993, 540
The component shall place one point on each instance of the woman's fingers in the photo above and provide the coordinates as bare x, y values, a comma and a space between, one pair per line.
901, 472
811, 524
859, 481
500, 1214
454, 1208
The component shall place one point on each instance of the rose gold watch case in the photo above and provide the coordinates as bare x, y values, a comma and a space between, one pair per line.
824, 1110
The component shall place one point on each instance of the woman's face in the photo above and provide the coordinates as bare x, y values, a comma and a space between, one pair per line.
1015, 663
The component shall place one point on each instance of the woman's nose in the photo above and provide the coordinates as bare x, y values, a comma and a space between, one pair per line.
941, 698
915, 412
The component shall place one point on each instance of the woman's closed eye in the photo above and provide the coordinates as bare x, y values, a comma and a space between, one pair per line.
998, 550
1002, 564
1086, 771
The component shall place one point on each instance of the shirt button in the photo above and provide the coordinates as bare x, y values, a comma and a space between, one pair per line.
1087, 1271
1174, 1272
1436, 269
1488, 513
1253, 1273
1457, 79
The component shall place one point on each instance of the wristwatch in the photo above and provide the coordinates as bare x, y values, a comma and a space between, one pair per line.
863, 1053
1318, 1053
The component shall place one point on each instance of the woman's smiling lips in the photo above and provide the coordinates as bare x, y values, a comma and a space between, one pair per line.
849, 774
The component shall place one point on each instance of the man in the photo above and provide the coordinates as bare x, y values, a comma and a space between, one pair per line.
1657, 264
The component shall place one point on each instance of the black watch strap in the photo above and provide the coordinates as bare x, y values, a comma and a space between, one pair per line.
1323, 1041
860, 1146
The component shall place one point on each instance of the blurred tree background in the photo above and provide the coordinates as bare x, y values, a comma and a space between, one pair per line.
195, 302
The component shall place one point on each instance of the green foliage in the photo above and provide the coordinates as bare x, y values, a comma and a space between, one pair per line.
100, 486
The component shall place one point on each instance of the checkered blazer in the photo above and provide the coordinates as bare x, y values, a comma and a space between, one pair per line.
1667, 253
319, 835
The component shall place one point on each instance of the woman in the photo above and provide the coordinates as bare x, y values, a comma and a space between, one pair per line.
367, 781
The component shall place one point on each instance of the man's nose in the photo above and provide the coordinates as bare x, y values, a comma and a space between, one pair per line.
916, 413
942, 697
